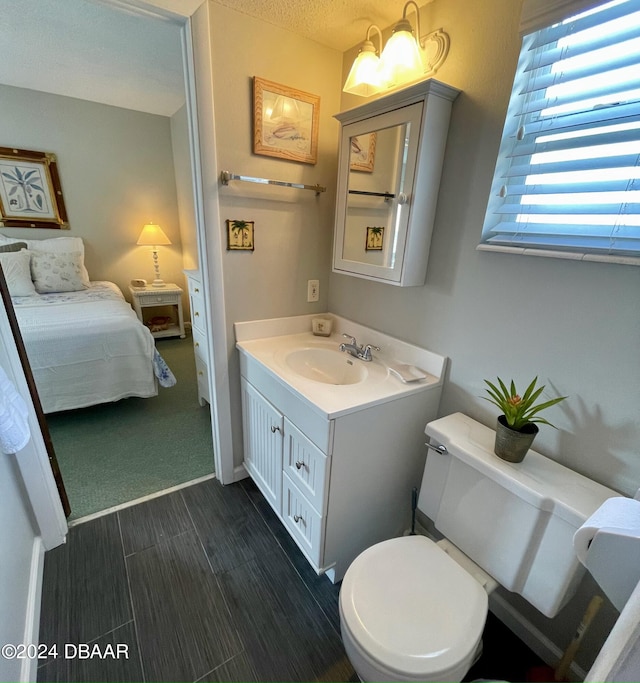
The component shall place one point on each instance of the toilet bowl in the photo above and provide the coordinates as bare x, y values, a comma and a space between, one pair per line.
409, 612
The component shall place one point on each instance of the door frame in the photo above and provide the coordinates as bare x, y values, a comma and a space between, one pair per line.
198, 79
38, 478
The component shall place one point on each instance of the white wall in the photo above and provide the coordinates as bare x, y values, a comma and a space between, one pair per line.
575, 325
116, 171
293, 228
184, 188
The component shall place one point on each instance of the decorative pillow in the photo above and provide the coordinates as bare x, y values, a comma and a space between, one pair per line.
54, 245
57, 272
14, 246
15, 266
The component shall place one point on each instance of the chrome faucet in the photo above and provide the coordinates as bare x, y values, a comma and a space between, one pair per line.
358, 350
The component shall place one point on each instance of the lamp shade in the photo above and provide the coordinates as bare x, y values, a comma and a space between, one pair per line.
365, 77
152, 235
401, 59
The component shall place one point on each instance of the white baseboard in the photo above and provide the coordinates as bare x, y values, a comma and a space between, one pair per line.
29, 671
530, 635
239, 473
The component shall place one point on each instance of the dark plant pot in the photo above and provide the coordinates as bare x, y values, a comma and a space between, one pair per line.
512, 445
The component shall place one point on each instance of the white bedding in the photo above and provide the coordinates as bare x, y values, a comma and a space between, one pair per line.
86, 347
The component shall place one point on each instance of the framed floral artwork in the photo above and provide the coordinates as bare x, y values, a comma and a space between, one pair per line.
30, 190
285, 122
363, 152
240, 235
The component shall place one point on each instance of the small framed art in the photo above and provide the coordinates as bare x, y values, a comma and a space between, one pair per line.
285, 122
240, 235
363, 152
375, 238
30, 190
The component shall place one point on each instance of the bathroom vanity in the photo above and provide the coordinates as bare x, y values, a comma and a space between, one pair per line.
335, 444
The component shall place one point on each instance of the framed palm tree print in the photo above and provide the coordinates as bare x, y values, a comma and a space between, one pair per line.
375, 237
30, 190
240, 235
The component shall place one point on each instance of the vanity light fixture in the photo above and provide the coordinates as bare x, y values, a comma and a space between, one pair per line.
152, 235
365, 77
401, 59
405, 57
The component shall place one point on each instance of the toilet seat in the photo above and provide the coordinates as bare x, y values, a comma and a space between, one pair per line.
407, 606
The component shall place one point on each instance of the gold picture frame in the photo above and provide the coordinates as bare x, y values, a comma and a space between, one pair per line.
285, 122
240, 235
375, 239
30, 190
363, 152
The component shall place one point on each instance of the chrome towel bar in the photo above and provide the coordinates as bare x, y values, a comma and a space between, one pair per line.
226, 176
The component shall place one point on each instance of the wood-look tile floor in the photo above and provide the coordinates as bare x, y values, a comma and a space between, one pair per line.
203, 584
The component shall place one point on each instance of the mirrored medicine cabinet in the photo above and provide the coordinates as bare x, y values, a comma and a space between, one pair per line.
390, 162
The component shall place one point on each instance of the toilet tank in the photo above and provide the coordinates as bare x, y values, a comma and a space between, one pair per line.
514, 520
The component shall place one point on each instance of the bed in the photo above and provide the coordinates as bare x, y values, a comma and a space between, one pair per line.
85, 346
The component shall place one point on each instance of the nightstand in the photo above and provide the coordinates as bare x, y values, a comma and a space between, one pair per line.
145, 299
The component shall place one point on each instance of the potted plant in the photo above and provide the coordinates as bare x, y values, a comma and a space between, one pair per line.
517, 428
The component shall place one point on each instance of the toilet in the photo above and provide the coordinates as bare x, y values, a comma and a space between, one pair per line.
412, 609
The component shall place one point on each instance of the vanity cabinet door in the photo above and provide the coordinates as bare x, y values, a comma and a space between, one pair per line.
263, 428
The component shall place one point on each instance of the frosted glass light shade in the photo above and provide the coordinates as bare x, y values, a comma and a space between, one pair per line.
152, 235
365, 77
401, 59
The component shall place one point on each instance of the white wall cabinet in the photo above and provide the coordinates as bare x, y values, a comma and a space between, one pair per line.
338, 485
391, 156
199, 333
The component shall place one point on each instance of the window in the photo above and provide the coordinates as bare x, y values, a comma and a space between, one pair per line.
567, 179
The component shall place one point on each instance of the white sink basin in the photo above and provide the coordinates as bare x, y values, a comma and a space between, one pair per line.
326, 366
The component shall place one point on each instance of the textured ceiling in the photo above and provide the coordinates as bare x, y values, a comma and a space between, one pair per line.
339, 24
110, 52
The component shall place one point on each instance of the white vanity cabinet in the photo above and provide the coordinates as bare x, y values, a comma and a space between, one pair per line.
339, 483
199, 333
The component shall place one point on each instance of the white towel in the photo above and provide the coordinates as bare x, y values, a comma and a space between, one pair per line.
14, 425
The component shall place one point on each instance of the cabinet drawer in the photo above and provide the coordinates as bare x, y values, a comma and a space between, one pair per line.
199, 344
159, 299
306, 465
302, 521
203, 378
197, 312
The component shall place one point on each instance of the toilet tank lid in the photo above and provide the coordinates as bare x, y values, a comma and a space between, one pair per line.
540, 481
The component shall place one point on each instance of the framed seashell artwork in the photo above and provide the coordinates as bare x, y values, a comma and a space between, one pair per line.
285, 122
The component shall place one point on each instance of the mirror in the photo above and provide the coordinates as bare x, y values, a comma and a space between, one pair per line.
380, 155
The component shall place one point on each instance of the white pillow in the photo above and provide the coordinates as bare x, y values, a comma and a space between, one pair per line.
54, 245
57, 272
17, 273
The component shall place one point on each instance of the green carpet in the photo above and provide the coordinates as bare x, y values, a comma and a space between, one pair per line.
117, 452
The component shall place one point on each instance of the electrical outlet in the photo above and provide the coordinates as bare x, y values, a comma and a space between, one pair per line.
313, 290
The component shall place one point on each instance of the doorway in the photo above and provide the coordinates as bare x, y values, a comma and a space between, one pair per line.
207, 261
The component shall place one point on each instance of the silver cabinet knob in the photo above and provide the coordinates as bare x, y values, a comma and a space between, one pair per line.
297, 518
275, 429
299, 465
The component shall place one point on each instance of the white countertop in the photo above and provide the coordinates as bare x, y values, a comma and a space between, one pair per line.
332, 400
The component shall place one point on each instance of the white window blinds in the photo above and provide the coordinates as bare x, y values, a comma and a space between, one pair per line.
567, 180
